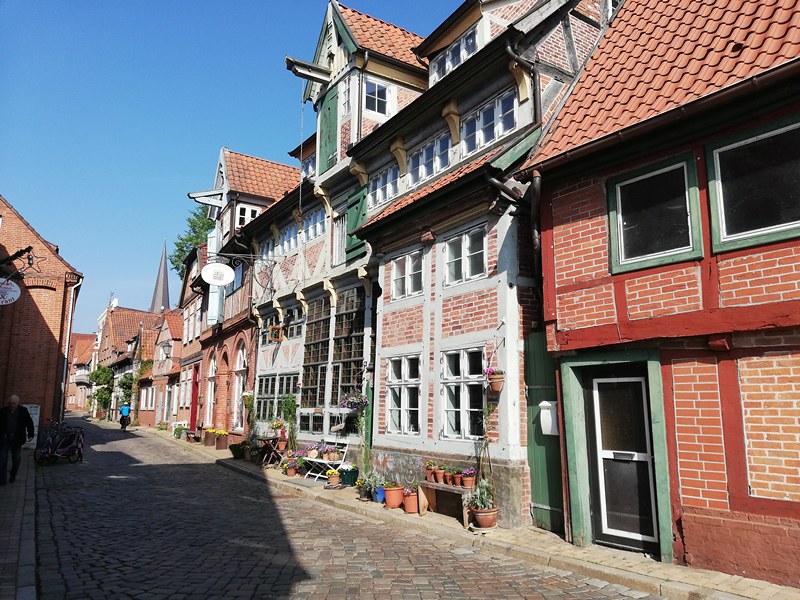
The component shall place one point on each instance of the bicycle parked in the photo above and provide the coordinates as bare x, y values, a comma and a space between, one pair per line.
60, 441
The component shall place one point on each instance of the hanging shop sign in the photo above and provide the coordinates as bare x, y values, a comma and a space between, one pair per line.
9, 292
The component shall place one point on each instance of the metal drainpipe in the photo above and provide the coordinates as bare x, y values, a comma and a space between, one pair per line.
537, 96
65, 380
361, 94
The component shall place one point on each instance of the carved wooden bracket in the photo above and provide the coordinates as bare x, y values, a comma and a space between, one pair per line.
398, 148
453, 118
523, 79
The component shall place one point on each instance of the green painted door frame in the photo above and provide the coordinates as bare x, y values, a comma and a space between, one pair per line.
579, 473
544, 452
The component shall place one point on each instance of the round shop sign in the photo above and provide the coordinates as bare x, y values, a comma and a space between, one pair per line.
9, 292
217, 274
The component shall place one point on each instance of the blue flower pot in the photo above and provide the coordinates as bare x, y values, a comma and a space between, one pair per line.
379, 495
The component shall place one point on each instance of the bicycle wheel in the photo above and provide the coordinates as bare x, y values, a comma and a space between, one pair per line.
74, 455
39, 456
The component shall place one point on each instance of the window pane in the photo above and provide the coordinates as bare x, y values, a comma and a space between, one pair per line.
400, 278
654, 214
454, 270
475, 391
475, 363
487, 124
761, 183
396, 369
507, 120
414, 165
413, 397
395, 401
443, 152
453, 397
413, 421
476, 423
413, 367
454, 54
453, 423
475, 249
471, 135
453, 365
427, 165
470, 43
415, 279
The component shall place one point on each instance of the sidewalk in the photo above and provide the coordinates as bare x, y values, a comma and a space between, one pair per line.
532, 545
18, 533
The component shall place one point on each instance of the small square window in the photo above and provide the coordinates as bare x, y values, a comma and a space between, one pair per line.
376, 97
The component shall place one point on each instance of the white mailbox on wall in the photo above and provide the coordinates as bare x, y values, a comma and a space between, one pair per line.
548, 418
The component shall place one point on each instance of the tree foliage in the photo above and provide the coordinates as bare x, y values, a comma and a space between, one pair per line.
126, 386
103, 379
197, 228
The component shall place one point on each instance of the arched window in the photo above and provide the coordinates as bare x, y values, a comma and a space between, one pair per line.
211, 392
240, 380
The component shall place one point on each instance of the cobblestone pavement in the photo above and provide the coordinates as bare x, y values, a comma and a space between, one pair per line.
143, 518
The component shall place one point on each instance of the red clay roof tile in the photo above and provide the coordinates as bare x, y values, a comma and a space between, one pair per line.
658, 56
382, 37
259, 177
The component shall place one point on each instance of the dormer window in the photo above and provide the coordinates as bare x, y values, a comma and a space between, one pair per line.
245, 215
429, 159
309, 166
287, 240
489, 122
314, 224
376, 97
384, 186
454, 55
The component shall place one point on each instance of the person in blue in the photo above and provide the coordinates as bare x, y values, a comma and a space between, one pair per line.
125, 415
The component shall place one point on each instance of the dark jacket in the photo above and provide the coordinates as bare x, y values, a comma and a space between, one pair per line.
24, 424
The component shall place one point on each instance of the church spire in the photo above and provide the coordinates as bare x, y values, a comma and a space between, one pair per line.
160, 300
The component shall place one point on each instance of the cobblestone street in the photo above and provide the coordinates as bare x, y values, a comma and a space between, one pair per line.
143, 518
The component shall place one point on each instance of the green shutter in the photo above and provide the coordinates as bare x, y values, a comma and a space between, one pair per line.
328, 126
356, 216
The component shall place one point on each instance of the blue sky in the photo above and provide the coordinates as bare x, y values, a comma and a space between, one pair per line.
111, 111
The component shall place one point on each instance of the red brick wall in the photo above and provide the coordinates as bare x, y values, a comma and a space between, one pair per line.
344, 137
770, 390
698, 430
313, 251
759, 277
586, 307
553, 49
405, 97
473, 311
664, 293
402, 326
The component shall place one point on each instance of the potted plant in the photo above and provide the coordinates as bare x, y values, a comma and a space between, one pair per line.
480, 502
363, 493
438, 472
255, 452
289, 466
373, 485
221, 440
311, 450
237, 450
349, 473
448, 475
334, 477
457, 477
393, 493
430, 465
495, 378
210, 437
411, 498
289, 413
468, 478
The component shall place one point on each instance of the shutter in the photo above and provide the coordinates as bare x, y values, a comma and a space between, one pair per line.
215, 293
356, 216
328, 126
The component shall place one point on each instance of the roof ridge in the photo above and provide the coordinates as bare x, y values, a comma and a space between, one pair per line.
274, 162
363, 14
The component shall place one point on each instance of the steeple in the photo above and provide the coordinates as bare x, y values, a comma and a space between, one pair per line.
160, 300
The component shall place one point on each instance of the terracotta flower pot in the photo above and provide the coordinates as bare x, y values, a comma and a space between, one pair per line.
496, 383
411, 503
485, 518
457, 478
282, 445
429, 475
439, 473
291, 472
394, 497
312, 454
221, 442
334, 479
209, 439
448, 478
468, 482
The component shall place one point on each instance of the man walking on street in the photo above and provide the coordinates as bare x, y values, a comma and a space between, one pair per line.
16, 426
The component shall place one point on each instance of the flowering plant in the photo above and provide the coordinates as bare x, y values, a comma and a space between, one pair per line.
430, 464
390, 483
332, 473
493, 371
220, 432
355, 402
308, 447
289, 464
346, 467
468, 472
276, 424
410, 489
325, 448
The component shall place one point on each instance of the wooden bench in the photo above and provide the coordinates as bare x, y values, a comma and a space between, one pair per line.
428, 490
316, 467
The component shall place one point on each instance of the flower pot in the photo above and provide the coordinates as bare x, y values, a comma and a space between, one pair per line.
439, 473
334, 479
291, 472
496, 383
411, 503
485, 518
448, 478
221, 442
429, 475
236, 451
468, 482
312, 454
209, 439
394, 496
282, 445
457, 478
379, 495
349, 477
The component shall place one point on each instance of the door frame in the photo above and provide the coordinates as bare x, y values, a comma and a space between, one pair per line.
579, 469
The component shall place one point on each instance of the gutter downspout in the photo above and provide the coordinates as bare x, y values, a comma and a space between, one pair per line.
537, 96
361, 94
65, 379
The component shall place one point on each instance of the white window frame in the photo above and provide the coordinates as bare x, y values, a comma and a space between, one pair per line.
461, 49
211, 390
403, 387
384, 186
489, 123
467, 273
340, 239
240, 380
314, 224
462, 382
401, 271
245, 214
429, 159
376, 97
268, 248
287, 240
